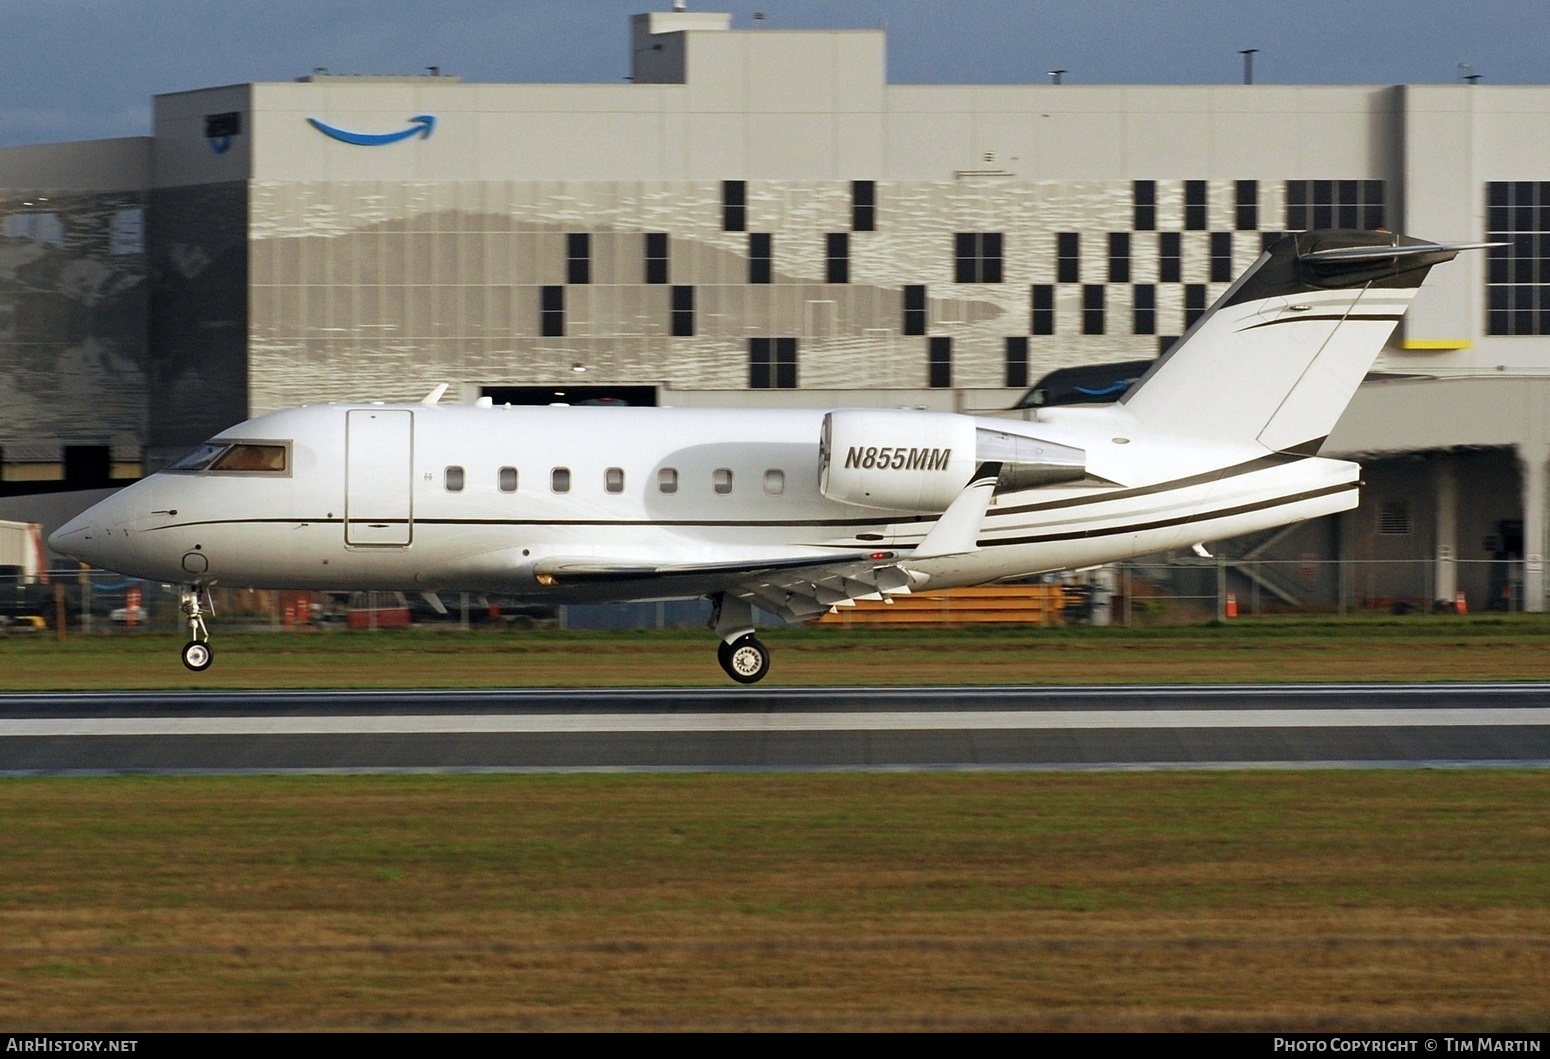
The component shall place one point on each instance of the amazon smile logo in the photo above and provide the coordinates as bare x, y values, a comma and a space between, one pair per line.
420, 125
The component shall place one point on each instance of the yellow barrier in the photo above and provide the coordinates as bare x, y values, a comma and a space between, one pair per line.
1023, 604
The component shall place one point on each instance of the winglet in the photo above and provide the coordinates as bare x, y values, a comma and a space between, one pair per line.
434, 397
958, 529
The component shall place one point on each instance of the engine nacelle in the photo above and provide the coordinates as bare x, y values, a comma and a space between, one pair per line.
901, 460
895, 459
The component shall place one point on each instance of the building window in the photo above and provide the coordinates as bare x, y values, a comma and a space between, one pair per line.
1221, 257
774, 482
552, 312
760, 253
863, 205
940, 362
1518, 274
453, 479
1246, 205
1334, 204
1194, 303
734, 206
578, 258
1043, 319
1170, 264
1195, 205
915, 310
772, 363
559, 479
1092, 309
1394, 518
1068, 257
683, 312
1144, 196
837, 257
1143, 314
656, 257
506, 479
977, 257
1017, 362
667, 480
1119, 257
613, 479
721, 480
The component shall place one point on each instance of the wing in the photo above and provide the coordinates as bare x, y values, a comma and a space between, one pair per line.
796, 589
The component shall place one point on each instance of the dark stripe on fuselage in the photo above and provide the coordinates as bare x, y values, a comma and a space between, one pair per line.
1179, 520
1273, 459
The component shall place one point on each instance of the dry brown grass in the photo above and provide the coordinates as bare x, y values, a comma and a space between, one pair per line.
1261, 900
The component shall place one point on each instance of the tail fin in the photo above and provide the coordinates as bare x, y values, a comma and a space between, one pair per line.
1280, 354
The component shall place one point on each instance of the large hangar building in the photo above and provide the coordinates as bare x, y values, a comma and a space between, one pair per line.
758, 217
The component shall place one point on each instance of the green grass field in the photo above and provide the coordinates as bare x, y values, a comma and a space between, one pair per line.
1266, 900
1419, 647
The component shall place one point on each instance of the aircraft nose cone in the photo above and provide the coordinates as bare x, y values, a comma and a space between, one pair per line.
71, 538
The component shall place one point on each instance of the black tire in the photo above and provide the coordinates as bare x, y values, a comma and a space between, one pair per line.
197, 655
746, 660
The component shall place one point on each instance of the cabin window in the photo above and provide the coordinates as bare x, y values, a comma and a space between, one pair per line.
454, 479
507, 479
667, 480
559, 479
721, 480
774, 482
243, 457
613, 479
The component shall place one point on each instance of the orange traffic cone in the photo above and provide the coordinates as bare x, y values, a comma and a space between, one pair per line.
1460, 605
1232, 605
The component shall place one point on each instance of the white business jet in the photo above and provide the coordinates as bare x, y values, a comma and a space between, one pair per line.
791, 511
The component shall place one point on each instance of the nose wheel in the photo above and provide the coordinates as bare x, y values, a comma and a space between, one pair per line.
746, 660
197, 655
194, 600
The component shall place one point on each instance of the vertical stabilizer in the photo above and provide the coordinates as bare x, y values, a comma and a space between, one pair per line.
1281, 353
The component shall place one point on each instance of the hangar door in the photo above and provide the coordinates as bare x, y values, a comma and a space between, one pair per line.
377, 476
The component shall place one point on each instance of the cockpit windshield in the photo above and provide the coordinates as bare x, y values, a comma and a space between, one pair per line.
235, 457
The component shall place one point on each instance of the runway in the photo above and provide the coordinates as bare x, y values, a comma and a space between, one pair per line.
1199, 726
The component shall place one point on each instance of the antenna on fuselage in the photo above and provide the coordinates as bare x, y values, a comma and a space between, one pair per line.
434, 397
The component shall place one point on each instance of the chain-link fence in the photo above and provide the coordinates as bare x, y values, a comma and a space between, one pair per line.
1144, 592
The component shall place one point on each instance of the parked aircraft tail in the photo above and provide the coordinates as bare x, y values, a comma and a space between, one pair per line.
1280, 354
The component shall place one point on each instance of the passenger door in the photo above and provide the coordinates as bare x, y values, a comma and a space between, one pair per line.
378, 476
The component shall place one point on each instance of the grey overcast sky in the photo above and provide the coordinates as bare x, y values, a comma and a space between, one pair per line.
82, 69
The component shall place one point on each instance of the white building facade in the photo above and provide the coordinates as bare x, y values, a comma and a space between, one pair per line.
758, 217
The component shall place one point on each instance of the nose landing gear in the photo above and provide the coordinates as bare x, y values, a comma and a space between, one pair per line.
197, 653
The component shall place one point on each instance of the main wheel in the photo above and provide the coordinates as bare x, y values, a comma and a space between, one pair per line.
197, 655
746, 660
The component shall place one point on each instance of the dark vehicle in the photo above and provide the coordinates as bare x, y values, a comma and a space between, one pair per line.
1088, 384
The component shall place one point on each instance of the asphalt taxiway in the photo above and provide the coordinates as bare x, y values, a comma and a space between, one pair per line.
1198, 726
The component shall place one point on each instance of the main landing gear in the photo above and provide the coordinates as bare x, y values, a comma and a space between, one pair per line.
741, 653
197, 653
